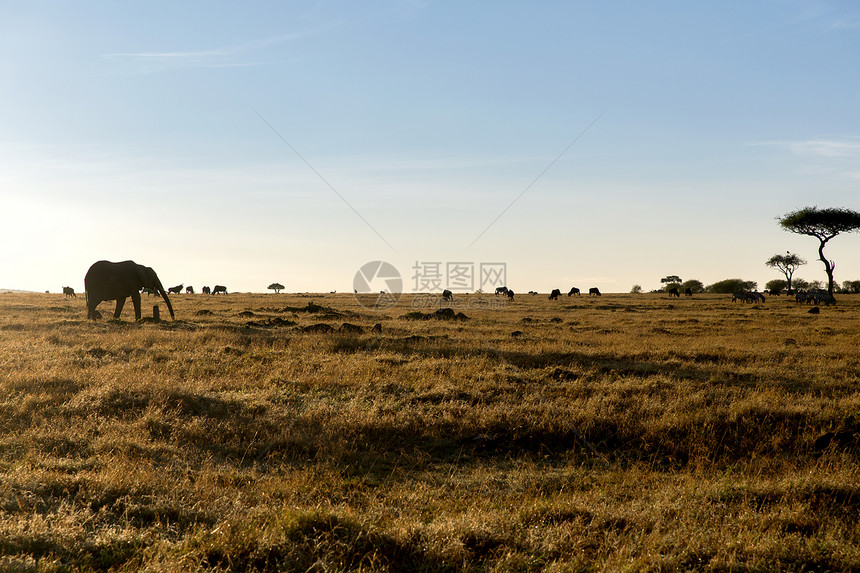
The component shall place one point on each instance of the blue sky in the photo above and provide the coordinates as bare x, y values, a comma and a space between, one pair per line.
581, 143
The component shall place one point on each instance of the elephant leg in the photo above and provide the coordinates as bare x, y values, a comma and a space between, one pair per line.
120, 302
135, 300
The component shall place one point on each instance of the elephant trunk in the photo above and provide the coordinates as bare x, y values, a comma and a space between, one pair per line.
167, 301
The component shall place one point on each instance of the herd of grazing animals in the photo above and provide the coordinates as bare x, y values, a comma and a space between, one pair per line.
118, 281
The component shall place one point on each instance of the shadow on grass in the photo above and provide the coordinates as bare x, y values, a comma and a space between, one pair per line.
309, 542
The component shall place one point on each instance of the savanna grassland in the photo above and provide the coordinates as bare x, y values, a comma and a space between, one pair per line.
622, 432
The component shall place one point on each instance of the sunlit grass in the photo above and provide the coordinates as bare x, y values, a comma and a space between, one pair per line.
622, 432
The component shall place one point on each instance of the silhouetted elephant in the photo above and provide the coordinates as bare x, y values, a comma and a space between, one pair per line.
117, 281
69, 292
573, 290
219, 288
594, 290
554, 294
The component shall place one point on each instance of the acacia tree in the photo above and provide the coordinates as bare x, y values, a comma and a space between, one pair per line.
787, 264
670, 282
277, 287
823, 224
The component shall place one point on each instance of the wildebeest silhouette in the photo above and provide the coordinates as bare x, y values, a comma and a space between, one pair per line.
688, 292
207, 290
502, 290
447, 296
510, 294
674, 292
175, 289
573, 290
554, 294
189, 289
594, 290
747, 296
69, 292
219, 288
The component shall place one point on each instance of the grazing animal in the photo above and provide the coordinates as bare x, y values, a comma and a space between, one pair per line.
69, 292
510, 294
502, 290
447, 296
688, 292
219, 288
815, 296
554, 294
573, 290
747, 296
594, 290
117, 281
175, 289
189, 289
207, 290
674, 292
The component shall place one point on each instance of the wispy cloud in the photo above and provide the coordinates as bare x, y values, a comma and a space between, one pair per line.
229, 56
848, 147
837, 155
847, 22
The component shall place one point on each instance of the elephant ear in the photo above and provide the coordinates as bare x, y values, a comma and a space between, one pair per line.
148, 278
143, 276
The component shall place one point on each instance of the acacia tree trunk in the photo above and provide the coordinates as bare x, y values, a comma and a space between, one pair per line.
828, 267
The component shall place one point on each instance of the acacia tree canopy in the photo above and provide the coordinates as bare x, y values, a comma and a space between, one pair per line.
823, 224
277, 287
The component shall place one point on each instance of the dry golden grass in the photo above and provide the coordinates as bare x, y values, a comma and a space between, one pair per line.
626, 432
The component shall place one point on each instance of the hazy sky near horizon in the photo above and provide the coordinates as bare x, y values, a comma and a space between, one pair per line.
580, 143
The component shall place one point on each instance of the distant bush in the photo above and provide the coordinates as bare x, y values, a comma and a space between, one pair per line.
800, 284
636, 289
694, 286
776, 285
728, 286
852, 287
